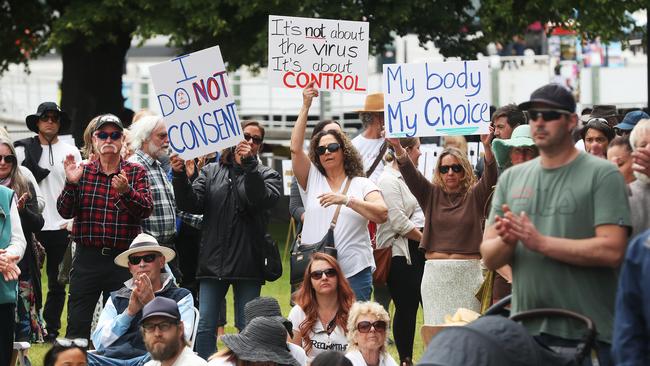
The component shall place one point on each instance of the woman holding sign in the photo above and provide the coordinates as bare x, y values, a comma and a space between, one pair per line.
453, 206
322, 176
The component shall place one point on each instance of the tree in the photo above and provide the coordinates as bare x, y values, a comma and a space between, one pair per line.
93, 36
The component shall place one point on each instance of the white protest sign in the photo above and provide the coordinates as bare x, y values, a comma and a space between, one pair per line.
333, 53
437, 99
197, 103
287, 176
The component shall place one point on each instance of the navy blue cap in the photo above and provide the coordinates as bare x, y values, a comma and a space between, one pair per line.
631, 119
553, 95
161, 306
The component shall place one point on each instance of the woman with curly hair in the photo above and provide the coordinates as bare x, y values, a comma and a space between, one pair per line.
323, 301
453, 206
367, 327
322, 176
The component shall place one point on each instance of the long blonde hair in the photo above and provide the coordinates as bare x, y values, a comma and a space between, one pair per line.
468, 180
19, 183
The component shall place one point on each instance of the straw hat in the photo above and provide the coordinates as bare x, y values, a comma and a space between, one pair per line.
262, 340
144, 243
374, 103
501, 147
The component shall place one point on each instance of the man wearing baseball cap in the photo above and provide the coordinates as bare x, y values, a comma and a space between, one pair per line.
562, 222
43, 155
117, 335
108, 199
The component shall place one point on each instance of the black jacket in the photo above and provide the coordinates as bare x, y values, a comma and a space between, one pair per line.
234, 200
33, 151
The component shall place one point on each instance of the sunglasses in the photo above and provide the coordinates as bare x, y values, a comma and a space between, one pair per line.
317, 275
9, 159
148, 258
256, 140
333, 147
115, 135
77, 342
49, 117
456, 168
379, 325
164, 326
546, 114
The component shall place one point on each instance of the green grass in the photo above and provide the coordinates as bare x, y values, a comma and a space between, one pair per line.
279, 290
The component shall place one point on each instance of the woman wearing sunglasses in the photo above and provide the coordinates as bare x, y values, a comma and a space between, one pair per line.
454, 211
322, 176
597, 134
323, 301
367, 328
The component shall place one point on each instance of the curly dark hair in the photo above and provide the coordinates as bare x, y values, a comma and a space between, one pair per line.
352, 163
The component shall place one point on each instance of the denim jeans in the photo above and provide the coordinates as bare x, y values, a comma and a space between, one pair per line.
211, 294
361, 284
567, 346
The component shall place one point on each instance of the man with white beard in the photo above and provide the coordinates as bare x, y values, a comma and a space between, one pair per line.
108, 199
150, 141
640, 189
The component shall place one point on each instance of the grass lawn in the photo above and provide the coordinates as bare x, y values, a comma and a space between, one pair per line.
279, 289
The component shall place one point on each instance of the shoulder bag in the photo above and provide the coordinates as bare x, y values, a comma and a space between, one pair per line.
302, 252
382, 256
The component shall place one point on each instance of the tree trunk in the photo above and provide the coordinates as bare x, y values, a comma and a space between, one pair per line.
92, 81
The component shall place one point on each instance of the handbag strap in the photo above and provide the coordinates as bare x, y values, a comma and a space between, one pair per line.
382, 151
338, 207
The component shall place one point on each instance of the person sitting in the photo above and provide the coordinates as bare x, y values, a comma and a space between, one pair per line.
67, 352
320, 315
261, 343
163, 333
367, 327
117, 335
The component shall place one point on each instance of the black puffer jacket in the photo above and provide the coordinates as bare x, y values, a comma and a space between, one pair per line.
234, 200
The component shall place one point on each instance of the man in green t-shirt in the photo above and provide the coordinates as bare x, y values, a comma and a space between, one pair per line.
561, 220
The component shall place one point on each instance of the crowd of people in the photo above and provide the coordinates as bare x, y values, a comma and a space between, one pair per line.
545, 216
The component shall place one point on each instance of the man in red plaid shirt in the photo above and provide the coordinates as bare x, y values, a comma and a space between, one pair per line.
108, 198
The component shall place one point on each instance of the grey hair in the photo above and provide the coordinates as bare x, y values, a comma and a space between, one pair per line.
641, 128
141, 130
366, 119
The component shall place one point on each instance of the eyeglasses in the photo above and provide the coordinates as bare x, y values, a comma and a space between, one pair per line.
77, 342
9, 159
317, 275
546, 114
526, 151
148, 258
49, 117
333, 147
164, 326
103, 135
256, 139
379, 325
456, 168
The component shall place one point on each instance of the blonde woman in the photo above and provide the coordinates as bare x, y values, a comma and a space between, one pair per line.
367, 326
453, 206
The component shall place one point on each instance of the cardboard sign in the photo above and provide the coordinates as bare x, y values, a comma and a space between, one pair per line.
196, 103
333, 53
437, 99
287, 176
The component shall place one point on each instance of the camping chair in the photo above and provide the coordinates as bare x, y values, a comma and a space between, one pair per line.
195, 328
20, 354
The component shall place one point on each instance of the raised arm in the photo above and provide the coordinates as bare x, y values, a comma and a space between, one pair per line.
300, 162
418, 184
188, 196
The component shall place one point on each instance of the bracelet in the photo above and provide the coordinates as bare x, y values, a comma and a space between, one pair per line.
400, 156
348, 201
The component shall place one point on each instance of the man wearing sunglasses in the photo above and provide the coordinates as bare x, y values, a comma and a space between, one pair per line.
43, 155
117, 335
108, 199
562, 222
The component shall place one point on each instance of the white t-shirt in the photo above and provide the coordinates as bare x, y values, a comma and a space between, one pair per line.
357, 359
220, 361
369, 149
320, 340
351, 238
298, 353
52, 185
186, 358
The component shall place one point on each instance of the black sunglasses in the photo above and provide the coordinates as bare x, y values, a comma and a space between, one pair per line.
333, 147
379, 325
256, 140
317, 275
9, 159
456, 168
546, 114
148, 258
115, 135
164, 326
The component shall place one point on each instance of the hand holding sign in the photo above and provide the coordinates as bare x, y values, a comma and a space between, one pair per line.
177, 163
308, 94
397, 146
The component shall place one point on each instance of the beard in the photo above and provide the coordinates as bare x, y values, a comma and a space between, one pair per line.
642, 177
164, 352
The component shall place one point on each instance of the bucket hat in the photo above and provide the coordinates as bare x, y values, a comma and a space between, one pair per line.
32, 119
268, 307
374, 103
521, 137
605, 111
263, 339
144, 243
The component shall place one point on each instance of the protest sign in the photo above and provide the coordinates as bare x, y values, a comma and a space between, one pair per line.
436, 99
196, 103
287, 176
333, 53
